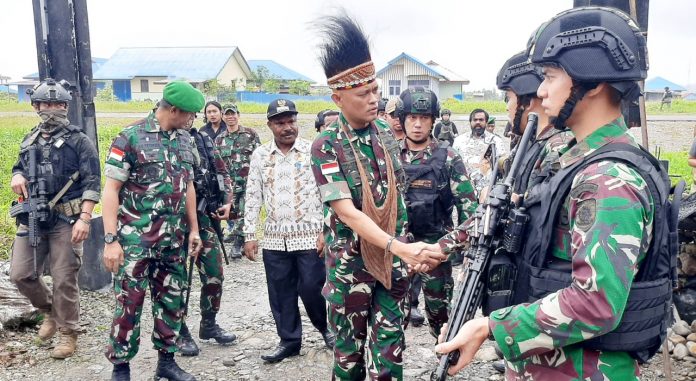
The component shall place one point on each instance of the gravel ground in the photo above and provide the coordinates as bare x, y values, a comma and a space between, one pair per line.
245, 311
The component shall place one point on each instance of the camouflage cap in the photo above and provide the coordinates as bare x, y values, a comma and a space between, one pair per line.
391, 105
230, 107
183, 96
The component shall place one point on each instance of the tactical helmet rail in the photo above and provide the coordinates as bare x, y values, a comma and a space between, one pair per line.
593, 45
523, 78
417, 100
445, 111
50, 91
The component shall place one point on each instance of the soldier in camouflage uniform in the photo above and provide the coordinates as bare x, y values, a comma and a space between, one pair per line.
602, 233
356, 166
209, 172
236, 144
149, 171
436, 183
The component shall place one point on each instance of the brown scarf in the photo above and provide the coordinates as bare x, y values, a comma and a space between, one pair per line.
377, 262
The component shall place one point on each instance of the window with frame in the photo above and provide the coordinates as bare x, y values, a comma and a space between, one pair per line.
424, 83
394, 87
144, 86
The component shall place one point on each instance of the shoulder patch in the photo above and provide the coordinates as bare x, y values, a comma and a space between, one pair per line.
586, 214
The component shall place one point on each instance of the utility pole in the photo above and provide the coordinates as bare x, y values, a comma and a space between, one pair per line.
63, 52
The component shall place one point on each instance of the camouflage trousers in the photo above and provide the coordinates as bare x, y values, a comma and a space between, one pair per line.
235, 225
209, 265
437, 292
366, 313
165, 274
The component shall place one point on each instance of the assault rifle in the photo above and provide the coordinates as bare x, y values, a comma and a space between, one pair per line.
209, 198
497, 230
36, 212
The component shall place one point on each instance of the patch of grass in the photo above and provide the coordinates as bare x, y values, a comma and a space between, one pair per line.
679, 106
678, 167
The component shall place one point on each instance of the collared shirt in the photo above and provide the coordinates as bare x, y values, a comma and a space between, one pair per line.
343, 259
285, 185
155, 167
604, 228
472, 149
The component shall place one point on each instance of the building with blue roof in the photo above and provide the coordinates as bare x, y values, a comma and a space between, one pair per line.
655, 87
405, 72
279, 71
31, 80
140, 73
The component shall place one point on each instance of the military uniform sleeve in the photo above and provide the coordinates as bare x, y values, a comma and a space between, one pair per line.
257, 141
120, 159
610, 218
464, 196
18, 168
253, 199
456, 240
327, 172
454, 129
90, 174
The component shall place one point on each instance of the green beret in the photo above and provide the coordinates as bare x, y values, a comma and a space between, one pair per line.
183, 96
491, 120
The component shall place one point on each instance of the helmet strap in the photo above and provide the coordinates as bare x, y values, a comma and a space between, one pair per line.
576, 94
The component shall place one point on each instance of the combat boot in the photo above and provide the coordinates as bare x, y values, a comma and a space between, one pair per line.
187, 346
416, 318
121, 372
67, 342
237, 248
168, 369
210, 330
48, 327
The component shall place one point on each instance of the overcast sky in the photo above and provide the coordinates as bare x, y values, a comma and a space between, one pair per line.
472, 38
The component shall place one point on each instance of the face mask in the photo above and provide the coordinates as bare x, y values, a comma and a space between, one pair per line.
53, 119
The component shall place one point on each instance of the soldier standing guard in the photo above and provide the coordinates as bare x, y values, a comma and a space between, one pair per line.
213, 202
60, 151
593, 289
149, 202
356, 166
436, 183
236, 145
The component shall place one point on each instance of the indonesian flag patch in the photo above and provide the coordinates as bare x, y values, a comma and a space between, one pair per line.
116, 154
329, 168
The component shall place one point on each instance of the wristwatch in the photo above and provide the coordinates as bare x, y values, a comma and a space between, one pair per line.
109, 238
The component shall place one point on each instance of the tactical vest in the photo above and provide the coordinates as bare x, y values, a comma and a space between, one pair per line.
648, 310
206, 173
349, 165
56, 161
429, 199
446, 133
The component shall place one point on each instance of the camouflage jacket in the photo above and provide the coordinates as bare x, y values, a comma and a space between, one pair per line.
548, 161
604, 229
334, 184
236, 149
462, 191
155, 167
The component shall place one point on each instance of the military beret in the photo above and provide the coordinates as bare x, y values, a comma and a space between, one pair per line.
491, 120
183, 96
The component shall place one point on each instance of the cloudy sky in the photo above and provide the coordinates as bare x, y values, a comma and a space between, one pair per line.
472, 38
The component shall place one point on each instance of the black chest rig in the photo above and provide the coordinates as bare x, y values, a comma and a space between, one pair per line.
648, 311
429, 199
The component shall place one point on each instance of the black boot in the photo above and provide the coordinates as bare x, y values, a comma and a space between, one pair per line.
210, 330
168, 368
121, 372
187, 346
237, 247
416, 318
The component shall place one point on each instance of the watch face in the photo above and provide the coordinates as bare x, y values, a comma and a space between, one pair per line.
109, 238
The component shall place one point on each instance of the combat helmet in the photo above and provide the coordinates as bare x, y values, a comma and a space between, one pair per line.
417, 100
593, 45
50, 91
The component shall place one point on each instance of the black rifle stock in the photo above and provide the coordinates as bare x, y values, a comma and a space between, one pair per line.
209, 200
489, 227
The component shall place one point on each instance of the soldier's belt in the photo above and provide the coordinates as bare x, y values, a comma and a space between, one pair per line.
69, 208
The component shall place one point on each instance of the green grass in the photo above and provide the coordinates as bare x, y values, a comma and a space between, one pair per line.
678, 167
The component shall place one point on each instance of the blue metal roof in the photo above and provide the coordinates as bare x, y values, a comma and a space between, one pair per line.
659, 83
96, 64
280, 71
427, 68
195, 64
